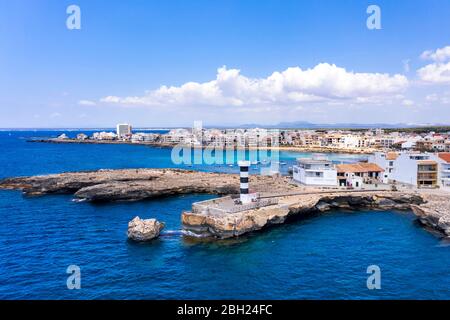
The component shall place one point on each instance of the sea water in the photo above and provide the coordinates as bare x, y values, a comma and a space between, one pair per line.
322, 256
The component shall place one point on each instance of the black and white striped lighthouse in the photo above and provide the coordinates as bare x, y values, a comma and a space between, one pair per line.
243, 175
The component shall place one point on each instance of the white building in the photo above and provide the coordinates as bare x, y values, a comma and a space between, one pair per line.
410, 142
413, 168
444, 170
82, 136
104, 135
315, 172
386, 161
123, 129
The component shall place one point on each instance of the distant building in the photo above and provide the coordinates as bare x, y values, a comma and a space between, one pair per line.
82, 136
123, 129
315, 172
104, 136
63, 136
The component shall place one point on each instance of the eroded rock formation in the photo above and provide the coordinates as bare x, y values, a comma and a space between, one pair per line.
207, 224
435, 212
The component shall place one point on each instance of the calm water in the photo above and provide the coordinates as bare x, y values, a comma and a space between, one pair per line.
323, 256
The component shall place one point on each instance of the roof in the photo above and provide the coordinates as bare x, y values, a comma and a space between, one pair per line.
426, 162
359, 167
391, 156
445, 156
313, 161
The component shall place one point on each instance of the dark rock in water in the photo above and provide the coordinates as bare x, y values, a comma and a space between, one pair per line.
144, 230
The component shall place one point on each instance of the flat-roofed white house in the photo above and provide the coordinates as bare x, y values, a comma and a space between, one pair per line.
315, 172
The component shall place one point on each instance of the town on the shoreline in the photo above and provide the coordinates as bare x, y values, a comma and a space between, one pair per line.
403, 157
363, 141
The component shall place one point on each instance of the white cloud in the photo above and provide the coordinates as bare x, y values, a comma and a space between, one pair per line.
406, 67
407, 102
438, 98
432, 97
439, 71
435, 73
55, 115
86, 103
440, 55
324, 82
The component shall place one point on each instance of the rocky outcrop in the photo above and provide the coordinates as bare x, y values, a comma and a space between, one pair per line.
435, 213
432, 208
229, 225
139, 184
144, 230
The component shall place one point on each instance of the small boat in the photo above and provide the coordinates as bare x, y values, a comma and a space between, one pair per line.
283, 163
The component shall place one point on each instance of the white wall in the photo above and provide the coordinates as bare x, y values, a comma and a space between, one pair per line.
307, 177
379, 158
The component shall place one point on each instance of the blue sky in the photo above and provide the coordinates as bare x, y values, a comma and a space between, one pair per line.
113, 69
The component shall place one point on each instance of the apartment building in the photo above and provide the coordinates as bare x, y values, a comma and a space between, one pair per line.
123, 129
414, 168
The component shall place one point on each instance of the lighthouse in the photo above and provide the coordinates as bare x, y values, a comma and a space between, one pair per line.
245, 197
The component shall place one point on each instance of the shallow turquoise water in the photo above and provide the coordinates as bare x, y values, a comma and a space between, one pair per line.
319, 257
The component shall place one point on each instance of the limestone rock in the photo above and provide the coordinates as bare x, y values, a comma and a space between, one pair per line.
144, 230
138, 184
235, 224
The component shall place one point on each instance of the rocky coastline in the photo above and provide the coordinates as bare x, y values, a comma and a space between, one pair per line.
139, 184
431, 207
204, 224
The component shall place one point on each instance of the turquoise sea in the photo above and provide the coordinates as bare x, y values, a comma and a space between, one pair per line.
320, 257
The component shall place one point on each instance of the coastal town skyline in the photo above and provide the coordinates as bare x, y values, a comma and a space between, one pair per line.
307, 64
